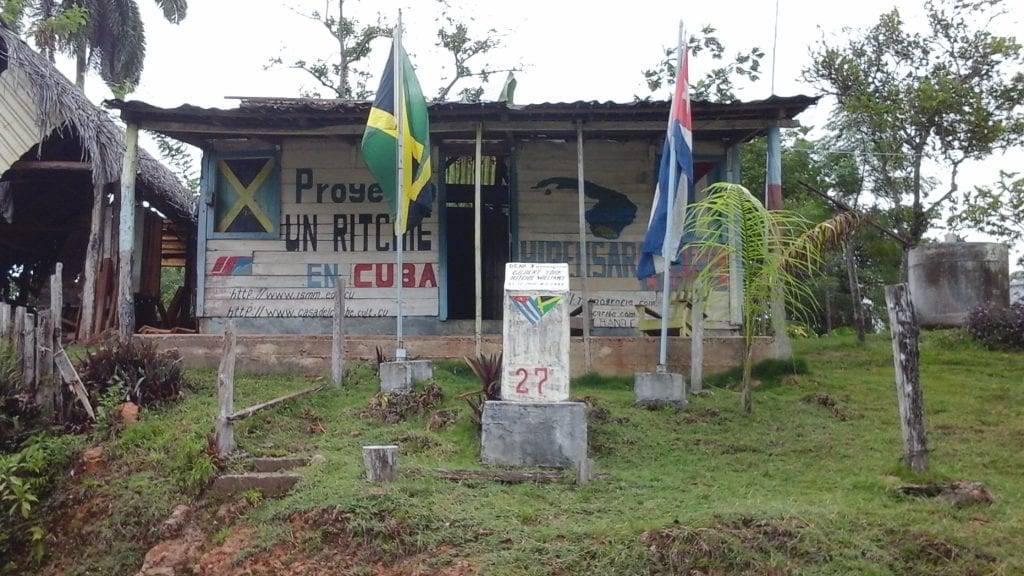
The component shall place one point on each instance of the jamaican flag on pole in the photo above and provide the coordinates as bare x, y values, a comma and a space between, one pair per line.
380, 141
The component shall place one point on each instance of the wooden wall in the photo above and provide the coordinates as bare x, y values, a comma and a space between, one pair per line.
618, 196
334, 222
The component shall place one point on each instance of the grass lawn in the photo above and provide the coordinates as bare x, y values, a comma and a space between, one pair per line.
804, 485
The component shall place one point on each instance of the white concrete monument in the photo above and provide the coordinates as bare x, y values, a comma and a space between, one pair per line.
534, 424
535, 361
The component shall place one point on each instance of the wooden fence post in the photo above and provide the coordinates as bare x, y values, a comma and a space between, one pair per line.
905, 356
697, 342
17, 325
223, 428
57, 301
46, 391
5, 323
381, 463
28, 351
338, 334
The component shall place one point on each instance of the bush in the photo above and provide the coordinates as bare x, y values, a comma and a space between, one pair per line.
146, 376
26, 476
997, 327
18, 412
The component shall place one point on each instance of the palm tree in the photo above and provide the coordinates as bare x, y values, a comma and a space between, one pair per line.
113, 40
777, 252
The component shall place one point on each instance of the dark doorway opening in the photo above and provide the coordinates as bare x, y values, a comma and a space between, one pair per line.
494, 218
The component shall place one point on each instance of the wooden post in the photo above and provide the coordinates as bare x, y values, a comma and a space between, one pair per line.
16, 329
697, 342
68, 374
92, 263
28, 351
46, 391
381, 463
851, 274
338, 334
57, 302
223, 428
5, 323
126, 235
903, 326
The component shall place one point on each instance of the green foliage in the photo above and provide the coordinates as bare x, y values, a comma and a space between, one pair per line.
488, 370
778, 251
908, 101
718, 85
997, 327
997, 211
192, 464
26, 476
17, 409
179, 158
148, 377
768, 371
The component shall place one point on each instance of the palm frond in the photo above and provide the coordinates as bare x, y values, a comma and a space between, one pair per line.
174, 10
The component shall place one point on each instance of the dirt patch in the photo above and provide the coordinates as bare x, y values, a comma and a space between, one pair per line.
395, 408
827, 401
705, 415
728, 546
919, 553
960, 494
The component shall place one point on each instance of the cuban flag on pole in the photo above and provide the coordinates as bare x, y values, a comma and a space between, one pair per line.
675, 177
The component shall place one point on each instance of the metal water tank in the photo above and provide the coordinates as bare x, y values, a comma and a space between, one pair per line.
948, 279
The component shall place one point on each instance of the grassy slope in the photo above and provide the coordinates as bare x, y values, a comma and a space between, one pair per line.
791, 488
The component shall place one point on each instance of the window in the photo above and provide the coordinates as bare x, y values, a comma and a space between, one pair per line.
247, 195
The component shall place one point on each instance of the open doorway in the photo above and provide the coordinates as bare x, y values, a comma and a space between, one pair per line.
459, 217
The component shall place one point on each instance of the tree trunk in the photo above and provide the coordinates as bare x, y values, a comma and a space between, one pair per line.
338, 334
903, 325
747, 386
381, 463
223, 429
851, 273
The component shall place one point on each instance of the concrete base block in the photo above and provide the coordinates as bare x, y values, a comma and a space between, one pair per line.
534, 433
659, 389
399, 376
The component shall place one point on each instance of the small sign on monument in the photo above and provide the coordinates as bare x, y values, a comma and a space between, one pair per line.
535, 364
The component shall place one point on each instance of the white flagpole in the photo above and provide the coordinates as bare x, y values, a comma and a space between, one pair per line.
399, 90
667, 246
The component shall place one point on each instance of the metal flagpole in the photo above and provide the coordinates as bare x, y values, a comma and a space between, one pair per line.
667, 248
478, 236
399, 90
584, 263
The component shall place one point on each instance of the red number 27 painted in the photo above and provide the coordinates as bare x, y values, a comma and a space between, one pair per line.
540, 374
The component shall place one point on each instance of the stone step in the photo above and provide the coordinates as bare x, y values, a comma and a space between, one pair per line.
278, 464
270, 484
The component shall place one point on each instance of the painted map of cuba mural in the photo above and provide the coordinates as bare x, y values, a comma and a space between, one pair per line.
617, 191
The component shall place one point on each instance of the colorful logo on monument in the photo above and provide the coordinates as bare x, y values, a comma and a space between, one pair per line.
232, 266
533, 308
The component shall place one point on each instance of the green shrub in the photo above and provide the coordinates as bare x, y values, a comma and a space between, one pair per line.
26, 476
148, 377
18, 412
997, 327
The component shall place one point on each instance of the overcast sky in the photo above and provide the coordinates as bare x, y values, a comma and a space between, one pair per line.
569, 50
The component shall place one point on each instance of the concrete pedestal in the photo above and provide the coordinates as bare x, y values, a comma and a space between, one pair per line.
399, 376
659, 389
534, 433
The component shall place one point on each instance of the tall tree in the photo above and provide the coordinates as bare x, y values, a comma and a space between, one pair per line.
719, 83
113, 41
921, 104
342, 76
995, 210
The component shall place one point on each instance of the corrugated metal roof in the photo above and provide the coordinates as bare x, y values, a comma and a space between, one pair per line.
735, 121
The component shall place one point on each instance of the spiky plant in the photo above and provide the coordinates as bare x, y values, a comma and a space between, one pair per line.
777, 252
488, 369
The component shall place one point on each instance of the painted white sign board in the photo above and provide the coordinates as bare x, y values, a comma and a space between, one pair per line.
535, 361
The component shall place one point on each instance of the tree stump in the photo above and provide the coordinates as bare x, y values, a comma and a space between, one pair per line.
381, 463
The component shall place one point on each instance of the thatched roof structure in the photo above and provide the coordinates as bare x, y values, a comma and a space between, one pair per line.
58, 105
